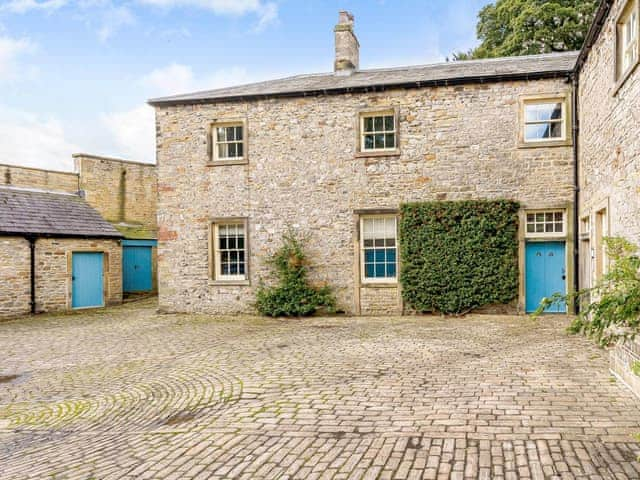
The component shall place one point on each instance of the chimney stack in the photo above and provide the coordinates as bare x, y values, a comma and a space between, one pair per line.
347, 46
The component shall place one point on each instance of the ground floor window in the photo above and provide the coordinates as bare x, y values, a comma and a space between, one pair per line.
229, 250
379, 250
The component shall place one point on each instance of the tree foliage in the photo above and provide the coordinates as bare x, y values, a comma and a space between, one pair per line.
293, 296
528, 27
611, 310
459, 256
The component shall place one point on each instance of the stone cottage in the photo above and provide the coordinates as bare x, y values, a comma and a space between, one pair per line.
334, 155
76, 239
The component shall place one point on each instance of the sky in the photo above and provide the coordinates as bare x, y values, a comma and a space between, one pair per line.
75, 75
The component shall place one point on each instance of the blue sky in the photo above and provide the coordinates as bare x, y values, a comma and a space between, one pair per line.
75, 74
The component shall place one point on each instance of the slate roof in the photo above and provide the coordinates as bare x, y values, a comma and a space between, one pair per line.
450, 73
24, 211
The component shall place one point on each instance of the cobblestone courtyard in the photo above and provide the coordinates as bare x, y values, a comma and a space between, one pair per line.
127, 393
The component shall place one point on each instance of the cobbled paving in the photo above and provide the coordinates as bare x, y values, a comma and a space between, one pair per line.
127, 393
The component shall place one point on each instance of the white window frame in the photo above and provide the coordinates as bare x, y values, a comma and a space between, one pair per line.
215, 157
627, 45
562, 121
217, 274
363, 134
545, 234
363, 274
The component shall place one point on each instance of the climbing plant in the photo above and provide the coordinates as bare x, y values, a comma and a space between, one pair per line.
610, 310
459, 256
292, 296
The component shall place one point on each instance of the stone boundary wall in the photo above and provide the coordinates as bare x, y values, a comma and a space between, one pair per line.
26, 177
15, 277
622, 359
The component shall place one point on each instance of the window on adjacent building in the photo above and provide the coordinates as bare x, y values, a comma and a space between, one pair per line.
230, 250
378, 132
229, 142
379, 249
544, 121
546, 223
628, 43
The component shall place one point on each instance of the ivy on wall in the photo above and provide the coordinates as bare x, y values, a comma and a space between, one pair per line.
459, 256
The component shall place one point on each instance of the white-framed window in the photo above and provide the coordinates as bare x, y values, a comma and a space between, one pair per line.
230, 250
378, 132
628, 39
229, 142
545, 120
379, 249
546, 223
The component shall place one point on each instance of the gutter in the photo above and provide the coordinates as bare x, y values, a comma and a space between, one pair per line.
575, 132
159, 102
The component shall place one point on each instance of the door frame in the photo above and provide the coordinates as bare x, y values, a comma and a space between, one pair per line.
105, 276
567, 238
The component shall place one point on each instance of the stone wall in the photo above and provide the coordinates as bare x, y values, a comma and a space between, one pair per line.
25, 177
303, 171
53, 271
609, 146
124, 192
609, 163
15, 268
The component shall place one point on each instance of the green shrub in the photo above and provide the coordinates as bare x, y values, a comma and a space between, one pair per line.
292, 296
610, 311
459, 256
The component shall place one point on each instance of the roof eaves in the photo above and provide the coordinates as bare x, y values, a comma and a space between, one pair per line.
593, 34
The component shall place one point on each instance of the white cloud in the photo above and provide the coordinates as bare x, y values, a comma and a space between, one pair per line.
10, 50
22, 6
34, 140
112, 19
132, 133
178, 78
267, 12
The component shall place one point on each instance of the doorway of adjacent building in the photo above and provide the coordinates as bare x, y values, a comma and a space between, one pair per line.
137, 266
545, 274
87, 279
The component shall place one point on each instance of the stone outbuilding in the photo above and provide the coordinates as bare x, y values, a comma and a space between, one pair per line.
56, 253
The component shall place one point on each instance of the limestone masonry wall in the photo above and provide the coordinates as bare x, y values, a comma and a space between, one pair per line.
41, 179
125, 193
15, 268
303, 171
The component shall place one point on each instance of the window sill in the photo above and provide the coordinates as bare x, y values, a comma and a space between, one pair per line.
378, 285
375, 154
221, 163
549, 144
229, 283
623, 79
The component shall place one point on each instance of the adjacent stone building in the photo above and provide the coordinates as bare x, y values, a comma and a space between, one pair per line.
334, 155
609, 147
90, 233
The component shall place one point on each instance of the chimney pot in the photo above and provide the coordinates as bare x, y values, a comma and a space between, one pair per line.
347, 46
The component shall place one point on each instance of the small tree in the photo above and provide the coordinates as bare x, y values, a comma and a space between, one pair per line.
293, 296
610, 311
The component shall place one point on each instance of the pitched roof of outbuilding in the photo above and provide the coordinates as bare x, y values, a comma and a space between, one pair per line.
24, 212
449, 73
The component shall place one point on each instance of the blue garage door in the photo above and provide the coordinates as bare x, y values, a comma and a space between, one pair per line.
545, 274
87, 284
137, 266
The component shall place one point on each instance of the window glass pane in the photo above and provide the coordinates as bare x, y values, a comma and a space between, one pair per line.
536, 132
388, 123
391, 270
558, 216
240, 150
233, 269
531, 228
540, 228
241, 269
369, 256
549, 217
540, 217
390, 140
368, 142
380, 270
391, 255
225, 269
368, 124
379, 242
559, 227
379, 256
369, 269
542, 112
231, 152
221, 134
222, 151
548, 227
379, 141
391, 242
238, 133
378, 124
223, 242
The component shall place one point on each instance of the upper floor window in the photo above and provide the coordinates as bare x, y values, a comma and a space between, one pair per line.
544, 121
379, 249
228, 142
378, 132
628, 44
229, 250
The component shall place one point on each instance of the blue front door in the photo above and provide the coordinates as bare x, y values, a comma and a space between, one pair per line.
136, 268
545, 274
87, 285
